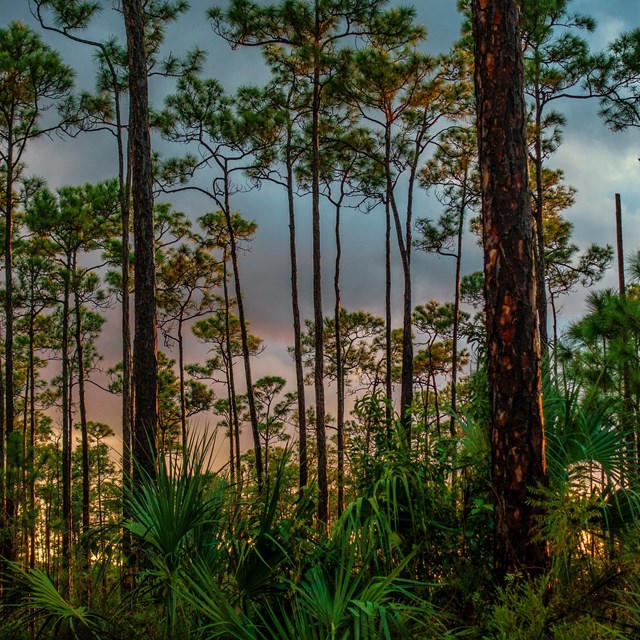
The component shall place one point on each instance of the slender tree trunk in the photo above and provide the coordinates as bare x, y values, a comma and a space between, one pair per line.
554, 317
388, 379
70, 408
404, 240
406, 392
183, 401
145, 357
99, 490
456, 311
628, 421
57, 534
32, 434
517, 434
84, 433
436, 402
425, 413
7, 548
127, 395
59, 503
253, 416
232, 449
540, 267
321, 437
28, 450
127, 385
388, 320
124, 195
47, 536
339, 365
67, 515
406, 385
297, 329
233, 408
24, 489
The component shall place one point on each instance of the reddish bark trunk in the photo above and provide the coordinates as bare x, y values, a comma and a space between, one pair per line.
517, 435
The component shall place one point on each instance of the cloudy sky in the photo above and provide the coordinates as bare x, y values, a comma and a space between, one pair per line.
596, 161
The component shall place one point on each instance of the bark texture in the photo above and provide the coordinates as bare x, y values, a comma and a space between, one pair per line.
145, 349
517, 435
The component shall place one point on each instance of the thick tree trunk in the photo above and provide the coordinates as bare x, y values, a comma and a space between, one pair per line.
517, 436
145, 356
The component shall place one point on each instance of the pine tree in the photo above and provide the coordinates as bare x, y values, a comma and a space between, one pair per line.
558, 64
32, 80
314, 32
145, 349
517, 432
453, 173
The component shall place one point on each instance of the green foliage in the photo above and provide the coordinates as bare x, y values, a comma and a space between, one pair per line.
360, 335
208, 555
171, 520
32, 78
581, 433
33, 599
620, 83
533, 610
340, 598
521, 613
337, 597
565, 266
